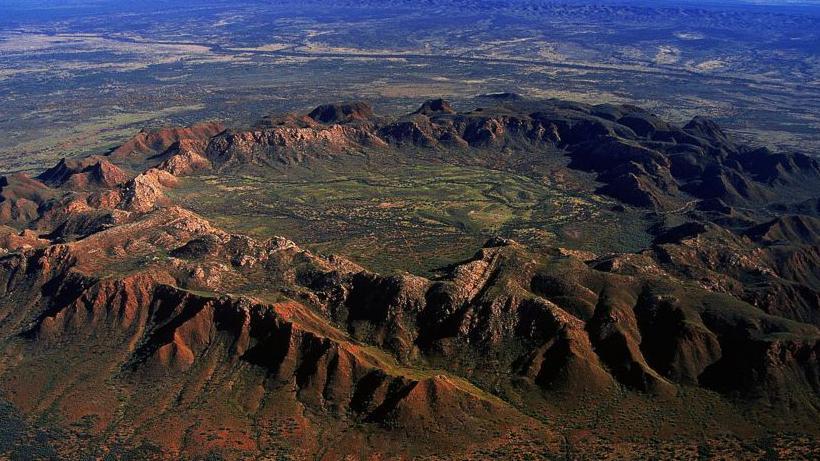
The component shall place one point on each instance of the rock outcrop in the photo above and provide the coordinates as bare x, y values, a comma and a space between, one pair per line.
147, 144
88, 173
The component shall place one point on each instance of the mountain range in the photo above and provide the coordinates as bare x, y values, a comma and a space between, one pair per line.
134, 328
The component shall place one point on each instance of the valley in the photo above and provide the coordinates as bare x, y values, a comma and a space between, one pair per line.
417, 217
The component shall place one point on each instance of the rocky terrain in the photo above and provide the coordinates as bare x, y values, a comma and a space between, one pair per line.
132, 328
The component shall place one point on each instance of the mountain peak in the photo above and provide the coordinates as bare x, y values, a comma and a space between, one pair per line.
344, 112
435, 106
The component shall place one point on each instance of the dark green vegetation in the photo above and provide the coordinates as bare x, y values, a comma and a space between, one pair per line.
79, 78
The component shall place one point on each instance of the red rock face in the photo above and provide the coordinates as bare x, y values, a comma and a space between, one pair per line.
148, 143
129, 322
269, 359
186, 157
342, 113
20, 198
88, 173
